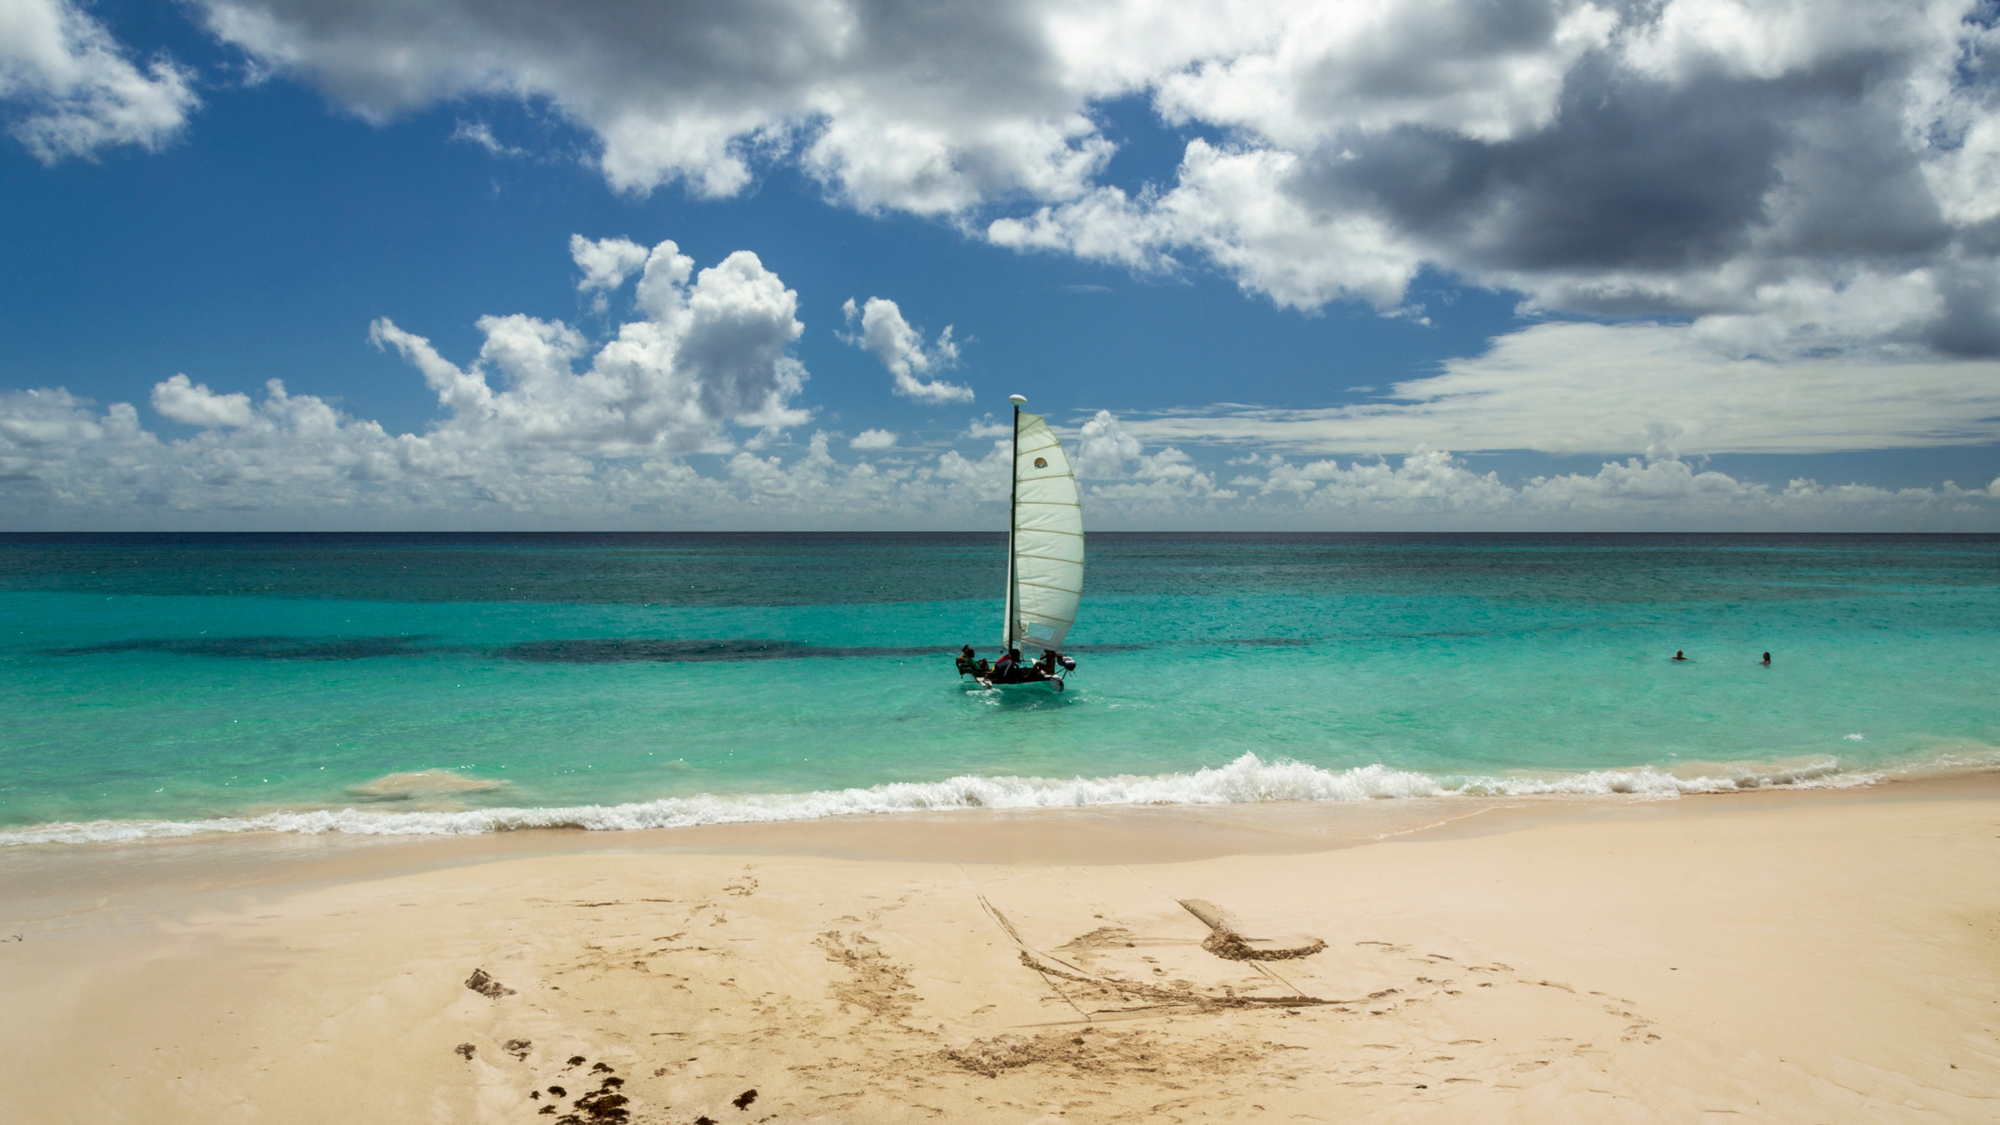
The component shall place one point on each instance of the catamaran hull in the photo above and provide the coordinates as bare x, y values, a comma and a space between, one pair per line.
1052, 684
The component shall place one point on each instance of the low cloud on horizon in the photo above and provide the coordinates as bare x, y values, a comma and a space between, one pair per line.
549, 428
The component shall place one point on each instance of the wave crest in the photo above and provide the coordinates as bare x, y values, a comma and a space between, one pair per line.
1248, 779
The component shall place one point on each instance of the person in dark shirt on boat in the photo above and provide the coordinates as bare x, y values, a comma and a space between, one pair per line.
967, 666
1004, 669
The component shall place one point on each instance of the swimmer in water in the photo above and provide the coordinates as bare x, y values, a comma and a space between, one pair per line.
1678, 655
1767, 660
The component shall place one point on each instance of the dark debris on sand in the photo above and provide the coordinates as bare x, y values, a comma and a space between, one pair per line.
486, 986
599, 1107
602, 1106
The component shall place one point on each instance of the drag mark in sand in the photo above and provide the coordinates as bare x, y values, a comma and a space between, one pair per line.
891, 1002
1129, 996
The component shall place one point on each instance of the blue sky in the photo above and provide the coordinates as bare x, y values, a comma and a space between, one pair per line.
1626, 274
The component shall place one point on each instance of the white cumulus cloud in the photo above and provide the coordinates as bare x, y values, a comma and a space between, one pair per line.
705, 354
1104, 448
985, 428
605, 262
68, 90
901, 349
873, 440
193, 403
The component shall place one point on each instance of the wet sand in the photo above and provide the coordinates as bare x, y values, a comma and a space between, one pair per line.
1774, 956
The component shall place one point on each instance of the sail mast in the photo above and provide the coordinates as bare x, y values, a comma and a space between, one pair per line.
1013, 520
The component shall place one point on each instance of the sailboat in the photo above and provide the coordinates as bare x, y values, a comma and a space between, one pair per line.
1044, 558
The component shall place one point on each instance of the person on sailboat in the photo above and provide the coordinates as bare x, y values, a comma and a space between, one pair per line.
1005, 667
967, 666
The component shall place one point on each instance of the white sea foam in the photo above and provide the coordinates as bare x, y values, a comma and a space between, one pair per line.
1245, 780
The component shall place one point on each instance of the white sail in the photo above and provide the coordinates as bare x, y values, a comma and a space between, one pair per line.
1046, 543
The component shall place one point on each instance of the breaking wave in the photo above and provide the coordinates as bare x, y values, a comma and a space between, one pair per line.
1248, 779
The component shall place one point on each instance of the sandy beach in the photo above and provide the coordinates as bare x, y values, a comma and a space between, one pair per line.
1811, 956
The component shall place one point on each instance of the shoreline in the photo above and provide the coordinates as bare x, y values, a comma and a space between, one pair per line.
45, 885
1778, 955
429, 802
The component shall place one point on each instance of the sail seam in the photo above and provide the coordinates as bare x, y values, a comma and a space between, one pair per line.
1057, 589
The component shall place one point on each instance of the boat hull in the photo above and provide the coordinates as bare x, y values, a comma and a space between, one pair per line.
1053, 684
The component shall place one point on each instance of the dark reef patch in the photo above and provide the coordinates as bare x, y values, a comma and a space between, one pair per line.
272, 648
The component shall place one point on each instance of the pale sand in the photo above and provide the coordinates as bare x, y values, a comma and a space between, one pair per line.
1783, 957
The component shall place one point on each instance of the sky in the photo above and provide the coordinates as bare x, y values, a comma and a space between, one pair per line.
1362, 265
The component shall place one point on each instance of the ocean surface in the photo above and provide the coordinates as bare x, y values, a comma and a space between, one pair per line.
158, 685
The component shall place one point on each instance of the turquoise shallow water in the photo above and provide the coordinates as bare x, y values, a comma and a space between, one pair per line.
178, 684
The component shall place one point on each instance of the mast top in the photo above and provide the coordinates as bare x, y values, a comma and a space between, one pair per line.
1018, 400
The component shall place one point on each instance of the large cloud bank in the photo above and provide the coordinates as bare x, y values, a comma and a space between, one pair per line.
683, 416
1794, 175
285, 461
1789, 208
